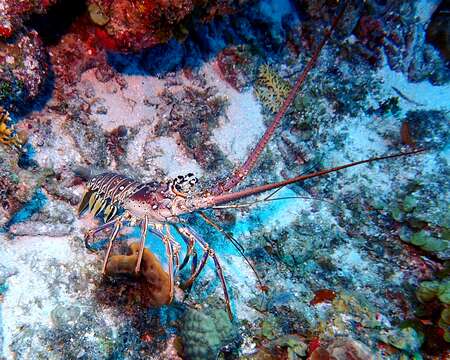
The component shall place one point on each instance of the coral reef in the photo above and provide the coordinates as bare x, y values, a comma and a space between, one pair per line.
124, 26
395, 32
7, 135
205, 332
271, 89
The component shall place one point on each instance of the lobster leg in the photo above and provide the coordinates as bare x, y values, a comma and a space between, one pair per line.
198, 270
175, 248
117, 226
166, 239
91, 233
208, 252
190, 250
144, 226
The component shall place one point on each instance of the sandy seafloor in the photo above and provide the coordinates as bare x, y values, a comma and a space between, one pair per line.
347, 241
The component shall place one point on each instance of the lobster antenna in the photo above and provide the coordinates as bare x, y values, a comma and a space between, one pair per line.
236, 244
245, 205
304, 172
242, 172
221, 199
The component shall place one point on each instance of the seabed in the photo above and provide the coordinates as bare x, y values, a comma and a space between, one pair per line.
353, 265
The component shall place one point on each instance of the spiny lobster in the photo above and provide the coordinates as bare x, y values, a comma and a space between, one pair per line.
156, 206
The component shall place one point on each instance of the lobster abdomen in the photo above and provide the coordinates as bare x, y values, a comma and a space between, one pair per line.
107, 192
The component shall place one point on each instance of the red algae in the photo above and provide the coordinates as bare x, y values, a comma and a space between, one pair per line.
323, 295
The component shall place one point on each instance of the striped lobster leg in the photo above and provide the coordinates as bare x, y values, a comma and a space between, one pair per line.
208, 252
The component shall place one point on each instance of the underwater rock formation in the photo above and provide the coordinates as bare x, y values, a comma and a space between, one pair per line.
23, 69
438, 31
20, 194
125, 26
390, 30
15, 12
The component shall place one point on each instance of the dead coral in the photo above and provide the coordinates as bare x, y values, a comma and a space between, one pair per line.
191, 112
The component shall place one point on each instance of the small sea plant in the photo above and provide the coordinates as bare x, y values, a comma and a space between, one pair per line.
271, 88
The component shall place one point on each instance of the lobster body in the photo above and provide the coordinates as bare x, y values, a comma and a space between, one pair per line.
110, 194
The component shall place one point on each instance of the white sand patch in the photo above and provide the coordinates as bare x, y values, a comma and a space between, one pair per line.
61, 151
350, 261
125, 105
243, 125
361, 138
28, 299
168, 156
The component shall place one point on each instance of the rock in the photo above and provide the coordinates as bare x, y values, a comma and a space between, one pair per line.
36, 228
406, 339
429, 128
23, 69
295, 346
427, 291
347, 348
438, 30
396, 34
126, 27
444, 291
15, 12
65, 315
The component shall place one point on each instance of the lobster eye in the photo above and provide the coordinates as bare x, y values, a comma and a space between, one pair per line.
190, 174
